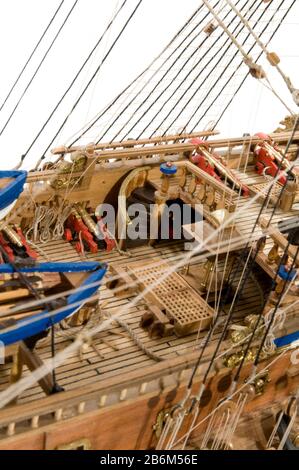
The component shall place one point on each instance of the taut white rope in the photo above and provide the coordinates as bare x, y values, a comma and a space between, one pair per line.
13, 391
294, 92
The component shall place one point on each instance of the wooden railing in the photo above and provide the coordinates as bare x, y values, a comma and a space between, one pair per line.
198, 187
66, 405
279, 241
169, 376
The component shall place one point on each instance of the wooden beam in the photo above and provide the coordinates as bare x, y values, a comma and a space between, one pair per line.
33, 362
177, 148
229, 142
132, 142
278, 238
221, 187
128, 148
170, 149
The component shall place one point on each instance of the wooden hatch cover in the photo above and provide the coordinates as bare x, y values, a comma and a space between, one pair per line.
184, 307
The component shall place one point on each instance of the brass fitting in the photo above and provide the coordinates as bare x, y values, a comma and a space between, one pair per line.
12, 236
87, 219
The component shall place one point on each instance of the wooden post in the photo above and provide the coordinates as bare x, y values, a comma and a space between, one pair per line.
288, 196
168, 171
90, 167
33, 362
17, 367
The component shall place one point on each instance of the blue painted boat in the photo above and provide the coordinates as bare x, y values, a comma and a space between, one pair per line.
10, 193
80, 267
34, 325
287, 340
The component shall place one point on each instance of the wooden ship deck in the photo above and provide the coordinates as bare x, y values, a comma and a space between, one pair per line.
76, 373
113, 367
166, 342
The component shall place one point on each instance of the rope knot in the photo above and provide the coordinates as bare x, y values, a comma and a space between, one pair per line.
255, 70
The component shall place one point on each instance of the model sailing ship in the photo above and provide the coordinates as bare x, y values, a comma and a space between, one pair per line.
185, 335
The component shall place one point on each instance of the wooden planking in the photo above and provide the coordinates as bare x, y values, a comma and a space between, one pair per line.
138, 413
71, 368
74, 373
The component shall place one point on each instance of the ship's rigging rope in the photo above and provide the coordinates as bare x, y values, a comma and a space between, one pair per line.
222, 53
292, 90
276, 309
177, 88
97, 119
238, 67
135, 338
197, 398
16, 389
94, 75
179, 258
282, 190
118, 95
176, 102
272, 315
107, 108
288, 430
269, 346
174, 259
44, 219
267, 84
39, 66
259, 319
247, 59
31, 55
75, 78
270, 321
263, 206
60, 357
230, 397
193, 425
267, 332
135, 97
248, 74
71, 333
81, 342
196, 413
255, 255
218, 304
26, 282
275, 429
227, 431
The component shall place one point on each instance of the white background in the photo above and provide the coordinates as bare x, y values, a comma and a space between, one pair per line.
22, 23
